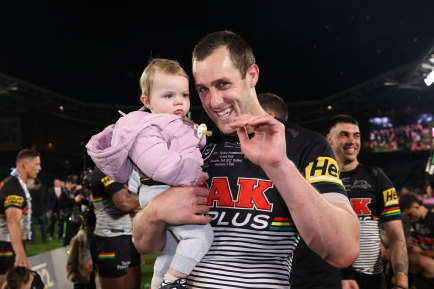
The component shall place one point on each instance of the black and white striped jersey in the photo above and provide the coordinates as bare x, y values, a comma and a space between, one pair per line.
254, 235
374, 200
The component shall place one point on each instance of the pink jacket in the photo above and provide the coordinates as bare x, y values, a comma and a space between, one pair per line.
162, 146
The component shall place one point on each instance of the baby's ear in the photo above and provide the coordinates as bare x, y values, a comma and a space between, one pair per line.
145, 100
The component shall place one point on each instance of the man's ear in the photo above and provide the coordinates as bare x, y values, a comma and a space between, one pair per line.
253, 75
146, 101
329, 138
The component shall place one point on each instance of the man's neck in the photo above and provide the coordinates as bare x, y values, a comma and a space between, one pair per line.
423, 213
346, 167
23, 175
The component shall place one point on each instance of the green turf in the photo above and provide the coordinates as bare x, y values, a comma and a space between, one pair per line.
40, 247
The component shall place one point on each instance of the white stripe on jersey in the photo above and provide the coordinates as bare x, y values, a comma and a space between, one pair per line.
369, 260
242, 258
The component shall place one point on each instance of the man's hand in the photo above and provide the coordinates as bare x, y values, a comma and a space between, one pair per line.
349, 284
176, 206
269, 137
88, 266
202, 179
78, 198
415, 248
401, 280
181, 205
22, 260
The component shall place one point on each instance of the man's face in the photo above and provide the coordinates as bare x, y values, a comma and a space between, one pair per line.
57, 183
70, 186
413, 214
223, 91
344, 139
169, 94
33, 167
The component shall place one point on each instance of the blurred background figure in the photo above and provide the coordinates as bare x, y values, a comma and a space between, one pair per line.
73, 202
39, 194
421, 241
53, 209
274, 105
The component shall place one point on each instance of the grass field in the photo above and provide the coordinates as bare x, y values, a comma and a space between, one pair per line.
40, 247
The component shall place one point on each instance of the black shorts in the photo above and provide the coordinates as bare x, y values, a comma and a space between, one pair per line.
113, 256
366, 281
7, 257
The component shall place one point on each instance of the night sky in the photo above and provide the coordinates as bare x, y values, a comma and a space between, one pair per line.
304, 49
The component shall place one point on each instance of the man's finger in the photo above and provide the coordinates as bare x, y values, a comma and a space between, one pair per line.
201, 219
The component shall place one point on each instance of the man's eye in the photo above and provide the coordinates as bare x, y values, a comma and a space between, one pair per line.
223, 84
202, 89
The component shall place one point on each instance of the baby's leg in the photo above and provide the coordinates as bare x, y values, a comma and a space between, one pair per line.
194, 243
163, 260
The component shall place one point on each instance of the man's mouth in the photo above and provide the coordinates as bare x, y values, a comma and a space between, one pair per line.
350, 150
225, 112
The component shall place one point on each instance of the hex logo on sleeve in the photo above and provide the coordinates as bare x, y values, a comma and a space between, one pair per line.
323, 170
390, 197
14, 201
107, 181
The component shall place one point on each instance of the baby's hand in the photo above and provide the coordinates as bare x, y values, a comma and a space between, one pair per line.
202, 178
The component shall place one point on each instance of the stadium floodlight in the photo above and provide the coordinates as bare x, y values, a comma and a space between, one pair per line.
429, 79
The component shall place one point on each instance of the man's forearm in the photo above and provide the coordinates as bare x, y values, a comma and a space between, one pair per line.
399, 257
15, 234
149, 234
331, 230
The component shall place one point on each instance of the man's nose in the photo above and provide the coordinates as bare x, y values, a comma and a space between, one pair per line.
351, 139
216, 98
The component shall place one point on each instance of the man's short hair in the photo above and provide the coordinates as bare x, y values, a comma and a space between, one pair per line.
345, 118
406, 201
17, 276
27, 154
274, 103
72, 178
167, 66
240, 51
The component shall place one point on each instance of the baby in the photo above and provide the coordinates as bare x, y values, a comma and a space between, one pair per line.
164, 147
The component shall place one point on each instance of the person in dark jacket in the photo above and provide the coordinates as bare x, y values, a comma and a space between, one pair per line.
39, 196
53, 209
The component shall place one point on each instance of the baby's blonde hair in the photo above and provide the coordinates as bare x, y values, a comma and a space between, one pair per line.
159, 64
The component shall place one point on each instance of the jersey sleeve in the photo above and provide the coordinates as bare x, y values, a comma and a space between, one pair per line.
103, 186
320, 167
13, 196
388, 205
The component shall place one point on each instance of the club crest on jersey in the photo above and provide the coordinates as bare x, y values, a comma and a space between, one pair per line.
207, 150
361, 184
323, 170
390, 197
